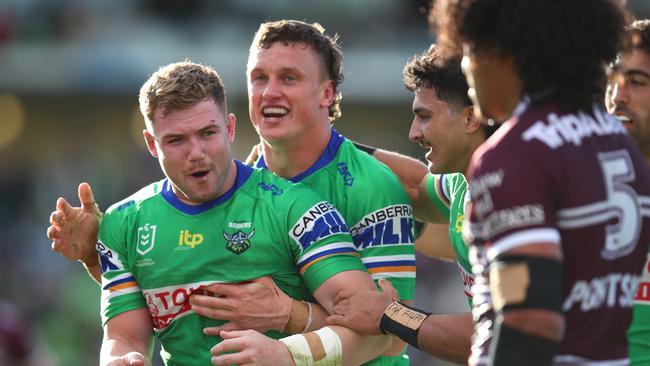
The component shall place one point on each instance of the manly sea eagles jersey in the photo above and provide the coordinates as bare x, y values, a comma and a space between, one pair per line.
156, 250
576, 180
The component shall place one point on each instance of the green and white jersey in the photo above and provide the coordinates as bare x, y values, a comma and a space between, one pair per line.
639, 333
374, 204
155, 251
448, 192
378, 210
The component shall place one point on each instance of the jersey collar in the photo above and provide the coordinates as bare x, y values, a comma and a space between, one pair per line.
332, 148
243, 173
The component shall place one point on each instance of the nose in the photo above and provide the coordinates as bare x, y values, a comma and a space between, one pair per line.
619, 93
415, 133
271, 89
196, 150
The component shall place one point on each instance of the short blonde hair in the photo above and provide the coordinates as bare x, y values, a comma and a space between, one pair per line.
178, 86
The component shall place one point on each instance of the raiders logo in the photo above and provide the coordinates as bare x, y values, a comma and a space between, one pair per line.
239, 241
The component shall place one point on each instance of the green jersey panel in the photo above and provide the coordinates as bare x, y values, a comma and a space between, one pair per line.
639, 332
378, 210
156, 251
374, 204
448, 192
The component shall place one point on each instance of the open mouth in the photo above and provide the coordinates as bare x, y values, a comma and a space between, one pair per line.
274, 112
623, 118
200, 173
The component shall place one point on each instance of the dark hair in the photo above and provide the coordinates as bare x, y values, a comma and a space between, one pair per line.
638, 35
445, 76
560, 47
313, 35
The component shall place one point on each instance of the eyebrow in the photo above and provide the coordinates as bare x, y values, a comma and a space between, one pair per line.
637, 72
211, 124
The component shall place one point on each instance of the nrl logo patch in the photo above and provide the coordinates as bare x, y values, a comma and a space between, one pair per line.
146, 238
239, 241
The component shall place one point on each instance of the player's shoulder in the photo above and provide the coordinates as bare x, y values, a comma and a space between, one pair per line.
267, 186
135, 201
368, 174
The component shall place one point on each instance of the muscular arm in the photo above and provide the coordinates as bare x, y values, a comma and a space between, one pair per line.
433, 241
127, 339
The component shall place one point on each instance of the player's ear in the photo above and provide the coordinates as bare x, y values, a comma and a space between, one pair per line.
150, 140
327, 93
231, 123
472, 124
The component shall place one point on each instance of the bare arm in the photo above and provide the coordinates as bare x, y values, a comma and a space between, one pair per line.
257, 349
410, 171
446, 336
127, 339
433, 241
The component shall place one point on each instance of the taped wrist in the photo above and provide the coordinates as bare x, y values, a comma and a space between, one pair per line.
300, 317
511, 347
368, 149
403, 321
518, 282
320, 348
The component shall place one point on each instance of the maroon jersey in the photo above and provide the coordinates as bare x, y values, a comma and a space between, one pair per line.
579, 181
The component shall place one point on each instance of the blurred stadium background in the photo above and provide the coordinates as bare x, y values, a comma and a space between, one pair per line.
70, 71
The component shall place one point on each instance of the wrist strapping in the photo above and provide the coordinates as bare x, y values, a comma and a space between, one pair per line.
320, 348
403, 321
300, 317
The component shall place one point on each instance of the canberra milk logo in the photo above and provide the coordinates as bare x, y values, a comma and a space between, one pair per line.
319, 222
146, 238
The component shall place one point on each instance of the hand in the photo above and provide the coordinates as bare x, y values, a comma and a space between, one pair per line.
258, 305
253, 155
129, 359
252, 348
73, 230
361, 311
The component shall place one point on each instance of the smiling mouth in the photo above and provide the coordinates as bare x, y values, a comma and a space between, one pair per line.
623, 119
274, 112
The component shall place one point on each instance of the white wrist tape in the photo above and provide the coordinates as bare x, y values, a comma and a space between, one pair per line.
309, 318
320, 348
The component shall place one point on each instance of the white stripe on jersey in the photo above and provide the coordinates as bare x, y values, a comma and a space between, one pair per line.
520, 238
570, 360
342, 244
389, 258
380, 275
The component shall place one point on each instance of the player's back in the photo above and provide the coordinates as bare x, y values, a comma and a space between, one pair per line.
578, 180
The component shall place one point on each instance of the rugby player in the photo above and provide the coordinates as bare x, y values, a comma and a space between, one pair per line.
628, 97
559, 222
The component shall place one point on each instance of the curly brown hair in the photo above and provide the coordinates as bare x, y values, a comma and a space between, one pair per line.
560, 47
313, 35
179, 86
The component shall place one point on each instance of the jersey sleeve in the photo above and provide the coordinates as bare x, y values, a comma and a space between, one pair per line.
120, 291
381, 215
322, 239
513, 203
440, 189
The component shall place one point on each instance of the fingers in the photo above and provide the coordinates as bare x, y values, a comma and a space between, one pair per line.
63, 206
211, 307
388, 288
342, 295
134, 359
338, 320
57, 219
222, 289
86, 197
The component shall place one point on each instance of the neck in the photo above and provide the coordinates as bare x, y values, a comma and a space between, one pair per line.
290, 158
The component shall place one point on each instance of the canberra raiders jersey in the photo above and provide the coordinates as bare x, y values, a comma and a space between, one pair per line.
448, 192
575, 180
155, 251
374, 204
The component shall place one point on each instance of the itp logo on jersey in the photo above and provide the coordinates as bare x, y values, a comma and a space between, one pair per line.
319, 222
